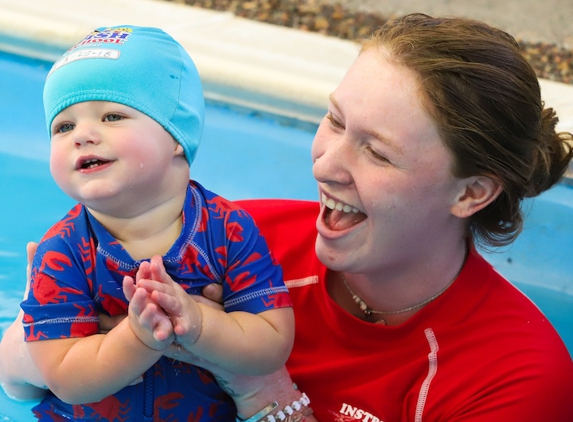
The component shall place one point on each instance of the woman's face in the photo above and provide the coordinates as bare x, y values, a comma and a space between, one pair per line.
380, 163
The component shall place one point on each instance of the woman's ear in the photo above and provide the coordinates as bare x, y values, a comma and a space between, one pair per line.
475, 194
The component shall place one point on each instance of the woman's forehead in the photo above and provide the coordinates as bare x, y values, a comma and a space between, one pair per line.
382, 97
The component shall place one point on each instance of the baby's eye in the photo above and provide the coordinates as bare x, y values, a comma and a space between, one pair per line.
112, 117
64, 127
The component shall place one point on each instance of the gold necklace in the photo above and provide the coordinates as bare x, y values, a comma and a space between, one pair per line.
368, 311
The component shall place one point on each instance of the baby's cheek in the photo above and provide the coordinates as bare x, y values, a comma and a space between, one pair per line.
60, 168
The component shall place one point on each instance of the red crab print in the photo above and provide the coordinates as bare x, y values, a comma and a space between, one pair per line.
88, 251
222, 250
83, 329
189, 258
242, 280
204, 219
182, 367
190, 261
50, 415
213, 410
205, 376
278, 300
32, 337
234, 232
159, 371
112, 305
222, 206
78, 411
65, 226
110, 409
44, 287
195, 417
113, 266
166, 402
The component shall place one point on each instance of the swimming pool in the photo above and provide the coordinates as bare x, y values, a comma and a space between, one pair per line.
243, 155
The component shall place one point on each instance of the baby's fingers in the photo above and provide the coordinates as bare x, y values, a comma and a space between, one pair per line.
155, 286
138, 301
170, 304
128, 287
158, 271
153, 318
163, 329
144, 271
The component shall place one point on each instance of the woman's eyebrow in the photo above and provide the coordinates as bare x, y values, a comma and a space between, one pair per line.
371, 132
385, 141
333, 101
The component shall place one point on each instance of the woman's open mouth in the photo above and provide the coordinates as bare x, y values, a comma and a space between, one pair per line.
338, 216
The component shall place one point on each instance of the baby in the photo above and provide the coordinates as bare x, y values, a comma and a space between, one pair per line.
125, 111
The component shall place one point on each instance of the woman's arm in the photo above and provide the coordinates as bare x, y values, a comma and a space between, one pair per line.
252, 394
274, 391
19, 377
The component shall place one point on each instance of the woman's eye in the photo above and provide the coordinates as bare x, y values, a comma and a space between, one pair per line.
377, 155
64, 127
112, 117
335, 123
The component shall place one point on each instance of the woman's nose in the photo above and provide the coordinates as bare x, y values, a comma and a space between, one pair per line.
331, 160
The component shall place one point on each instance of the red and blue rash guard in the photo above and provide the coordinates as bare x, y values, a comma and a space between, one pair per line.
78, 271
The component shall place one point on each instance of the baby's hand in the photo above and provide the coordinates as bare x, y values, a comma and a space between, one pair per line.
181, 308
151, 325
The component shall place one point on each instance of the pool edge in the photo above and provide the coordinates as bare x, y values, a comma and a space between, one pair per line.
272, 69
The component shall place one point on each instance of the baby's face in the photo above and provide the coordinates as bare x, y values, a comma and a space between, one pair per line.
109, 156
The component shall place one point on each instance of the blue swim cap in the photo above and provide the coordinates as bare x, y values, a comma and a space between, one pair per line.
143, 68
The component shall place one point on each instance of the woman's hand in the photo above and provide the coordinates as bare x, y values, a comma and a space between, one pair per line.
250, 393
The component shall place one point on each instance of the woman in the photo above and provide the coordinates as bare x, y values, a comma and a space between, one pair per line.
431, 141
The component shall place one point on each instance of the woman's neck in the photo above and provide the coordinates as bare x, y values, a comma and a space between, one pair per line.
395, 296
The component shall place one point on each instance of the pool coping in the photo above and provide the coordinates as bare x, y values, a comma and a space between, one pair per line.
264, 67
243, 62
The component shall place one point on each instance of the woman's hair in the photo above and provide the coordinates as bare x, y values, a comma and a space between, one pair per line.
486, 101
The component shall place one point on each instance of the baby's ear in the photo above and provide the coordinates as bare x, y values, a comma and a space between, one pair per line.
178, 149
476, 193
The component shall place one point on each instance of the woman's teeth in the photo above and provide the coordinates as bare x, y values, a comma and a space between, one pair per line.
339, 206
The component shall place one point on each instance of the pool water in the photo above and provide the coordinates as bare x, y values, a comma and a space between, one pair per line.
243, 155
